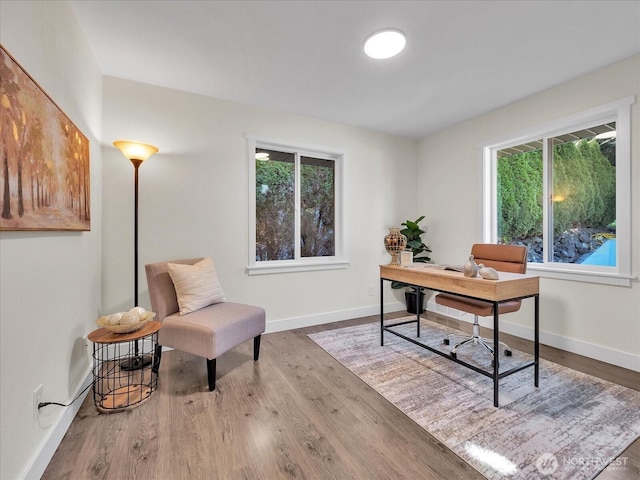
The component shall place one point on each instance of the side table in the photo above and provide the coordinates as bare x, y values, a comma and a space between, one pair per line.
116, 385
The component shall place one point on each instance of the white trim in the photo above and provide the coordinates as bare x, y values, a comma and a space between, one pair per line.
559, 125
328, 317
568, 344
52, 440
298, 264
288, 266
618, 111
602, 278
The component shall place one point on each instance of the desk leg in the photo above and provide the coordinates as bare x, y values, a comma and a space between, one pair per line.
496, 353
536, 341
381, 313
418, 308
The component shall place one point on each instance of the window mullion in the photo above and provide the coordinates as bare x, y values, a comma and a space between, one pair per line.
547, 202
490, 197
297, 210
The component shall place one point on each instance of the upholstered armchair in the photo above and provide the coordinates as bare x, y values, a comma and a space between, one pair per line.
187, 298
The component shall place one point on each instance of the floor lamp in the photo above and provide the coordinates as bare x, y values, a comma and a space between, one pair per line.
137, 153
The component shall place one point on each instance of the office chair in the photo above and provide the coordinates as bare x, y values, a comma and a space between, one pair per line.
503, 258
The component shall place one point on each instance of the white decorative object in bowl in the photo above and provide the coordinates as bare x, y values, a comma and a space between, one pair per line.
126, 322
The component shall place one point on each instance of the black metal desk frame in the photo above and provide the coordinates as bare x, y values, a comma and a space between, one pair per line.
494, 374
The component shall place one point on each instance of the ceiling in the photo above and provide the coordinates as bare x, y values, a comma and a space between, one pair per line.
462, 59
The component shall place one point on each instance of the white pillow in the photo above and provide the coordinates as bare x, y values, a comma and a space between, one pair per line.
196, 285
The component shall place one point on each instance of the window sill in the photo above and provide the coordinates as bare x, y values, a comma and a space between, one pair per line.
602, 278
291, 266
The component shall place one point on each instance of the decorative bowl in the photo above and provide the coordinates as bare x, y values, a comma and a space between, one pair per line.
125, 328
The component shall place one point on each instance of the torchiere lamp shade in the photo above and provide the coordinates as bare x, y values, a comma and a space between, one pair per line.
135, 150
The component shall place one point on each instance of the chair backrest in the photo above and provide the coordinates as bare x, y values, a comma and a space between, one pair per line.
162, 293
504, 258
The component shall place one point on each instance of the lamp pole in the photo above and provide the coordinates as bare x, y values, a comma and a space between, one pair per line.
136, 164
137, 153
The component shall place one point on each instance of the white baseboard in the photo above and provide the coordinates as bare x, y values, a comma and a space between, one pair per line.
328, 317
51, 442
591, 350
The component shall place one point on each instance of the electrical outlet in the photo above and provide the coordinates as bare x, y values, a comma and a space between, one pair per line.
37, 398
370, 291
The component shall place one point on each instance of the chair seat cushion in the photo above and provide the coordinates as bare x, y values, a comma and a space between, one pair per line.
211, 331
476, 307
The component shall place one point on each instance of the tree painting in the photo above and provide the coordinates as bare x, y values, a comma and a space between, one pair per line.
44, 158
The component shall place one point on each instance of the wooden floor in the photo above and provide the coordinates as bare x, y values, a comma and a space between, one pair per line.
295, 414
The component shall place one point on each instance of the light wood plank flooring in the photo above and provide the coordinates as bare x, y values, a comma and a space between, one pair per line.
295, 414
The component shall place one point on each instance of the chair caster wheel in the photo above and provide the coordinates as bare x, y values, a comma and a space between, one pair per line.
454, 355
508, 353
445, 341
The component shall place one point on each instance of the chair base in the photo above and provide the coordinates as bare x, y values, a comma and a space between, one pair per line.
476, 339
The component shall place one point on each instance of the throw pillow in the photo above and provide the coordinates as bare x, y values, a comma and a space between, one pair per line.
196, 285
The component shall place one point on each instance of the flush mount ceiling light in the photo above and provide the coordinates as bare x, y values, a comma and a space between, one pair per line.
385, 43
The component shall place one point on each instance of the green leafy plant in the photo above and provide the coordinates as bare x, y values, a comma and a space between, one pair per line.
414, 233
420, 250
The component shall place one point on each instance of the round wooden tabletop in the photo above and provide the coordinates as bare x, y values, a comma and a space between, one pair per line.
103, 335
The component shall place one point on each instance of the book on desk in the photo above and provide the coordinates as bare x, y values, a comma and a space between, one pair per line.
436, 266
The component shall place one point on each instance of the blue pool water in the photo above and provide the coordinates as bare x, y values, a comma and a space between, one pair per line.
605, 255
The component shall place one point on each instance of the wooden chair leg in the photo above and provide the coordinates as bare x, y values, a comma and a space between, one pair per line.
156, 361
211, 373
256, 347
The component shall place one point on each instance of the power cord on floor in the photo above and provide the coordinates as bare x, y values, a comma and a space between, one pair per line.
44, 404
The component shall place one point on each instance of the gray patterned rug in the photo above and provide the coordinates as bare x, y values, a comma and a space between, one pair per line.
571, 427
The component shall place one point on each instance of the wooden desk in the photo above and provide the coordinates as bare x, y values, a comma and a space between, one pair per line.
510, 286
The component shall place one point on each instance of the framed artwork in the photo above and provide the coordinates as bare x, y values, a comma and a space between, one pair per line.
44, 158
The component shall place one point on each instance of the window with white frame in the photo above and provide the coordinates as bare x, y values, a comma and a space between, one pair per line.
563, 190
295, 208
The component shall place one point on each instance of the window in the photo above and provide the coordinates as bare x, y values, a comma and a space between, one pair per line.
295, 202
564, 192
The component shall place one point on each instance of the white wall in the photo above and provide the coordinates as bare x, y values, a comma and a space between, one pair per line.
50, 281
194, 200
599, 321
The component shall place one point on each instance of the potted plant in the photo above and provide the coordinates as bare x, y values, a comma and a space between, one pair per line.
414, 296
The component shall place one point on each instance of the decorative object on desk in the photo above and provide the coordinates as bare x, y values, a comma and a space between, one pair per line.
406, 258
126, 322
412, 231
487, 273
470, 269
45, 157
571, 416
394, 243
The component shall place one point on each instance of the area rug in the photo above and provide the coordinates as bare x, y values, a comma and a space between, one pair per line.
571, 427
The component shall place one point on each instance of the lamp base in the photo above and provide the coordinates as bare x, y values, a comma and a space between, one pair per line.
136, 363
